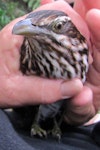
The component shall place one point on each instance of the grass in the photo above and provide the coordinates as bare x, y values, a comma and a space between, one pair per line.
11, 9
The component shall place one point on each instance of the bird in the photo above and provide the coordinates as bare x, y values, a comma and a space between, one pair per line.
53, 48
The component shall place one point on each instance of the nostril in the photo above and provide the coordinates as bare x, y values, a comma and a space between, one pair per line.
33, 24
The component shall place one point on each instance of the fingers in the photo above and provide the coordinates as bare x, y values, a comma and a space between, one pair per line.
89, 4
83, 6
94, 26
80, 8
83, 98
80, 109
23, 90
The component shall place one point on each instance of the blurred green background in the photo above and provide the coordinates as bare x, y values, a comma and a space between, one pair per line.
10, 9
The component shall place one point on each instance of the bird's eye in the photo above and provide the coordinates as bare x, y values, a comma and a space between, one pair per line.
57, 27
60, 24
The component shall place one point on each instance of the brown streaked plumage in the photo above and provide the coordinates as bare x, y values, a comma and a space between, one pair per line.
52, 48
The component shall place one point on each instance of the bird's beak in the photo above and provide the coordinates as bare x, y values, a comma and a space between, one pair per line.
26, 28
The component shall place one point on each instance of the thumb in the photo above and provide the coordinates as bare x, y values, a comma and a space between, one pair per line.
34, 90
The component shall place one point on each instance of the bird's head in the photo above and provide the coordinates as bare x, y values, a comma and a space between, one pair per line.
48, 24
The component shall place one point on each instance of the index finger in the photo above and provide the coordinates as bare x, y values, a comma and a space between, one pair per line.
83, 6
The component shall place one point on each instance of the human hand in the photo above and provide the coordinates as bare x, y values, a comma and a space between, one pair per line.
17, 89
91, 12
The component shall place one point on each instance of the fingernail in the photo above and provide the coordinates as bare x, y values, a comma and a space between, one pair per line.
71, 88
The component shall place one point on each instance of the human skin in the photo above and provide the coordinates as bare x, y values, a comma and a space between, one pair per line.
17, 89
91, 14
49, 1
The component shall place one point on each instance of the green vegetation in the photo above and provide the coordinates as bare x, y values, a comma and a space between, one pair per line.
32, 4
10, 9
